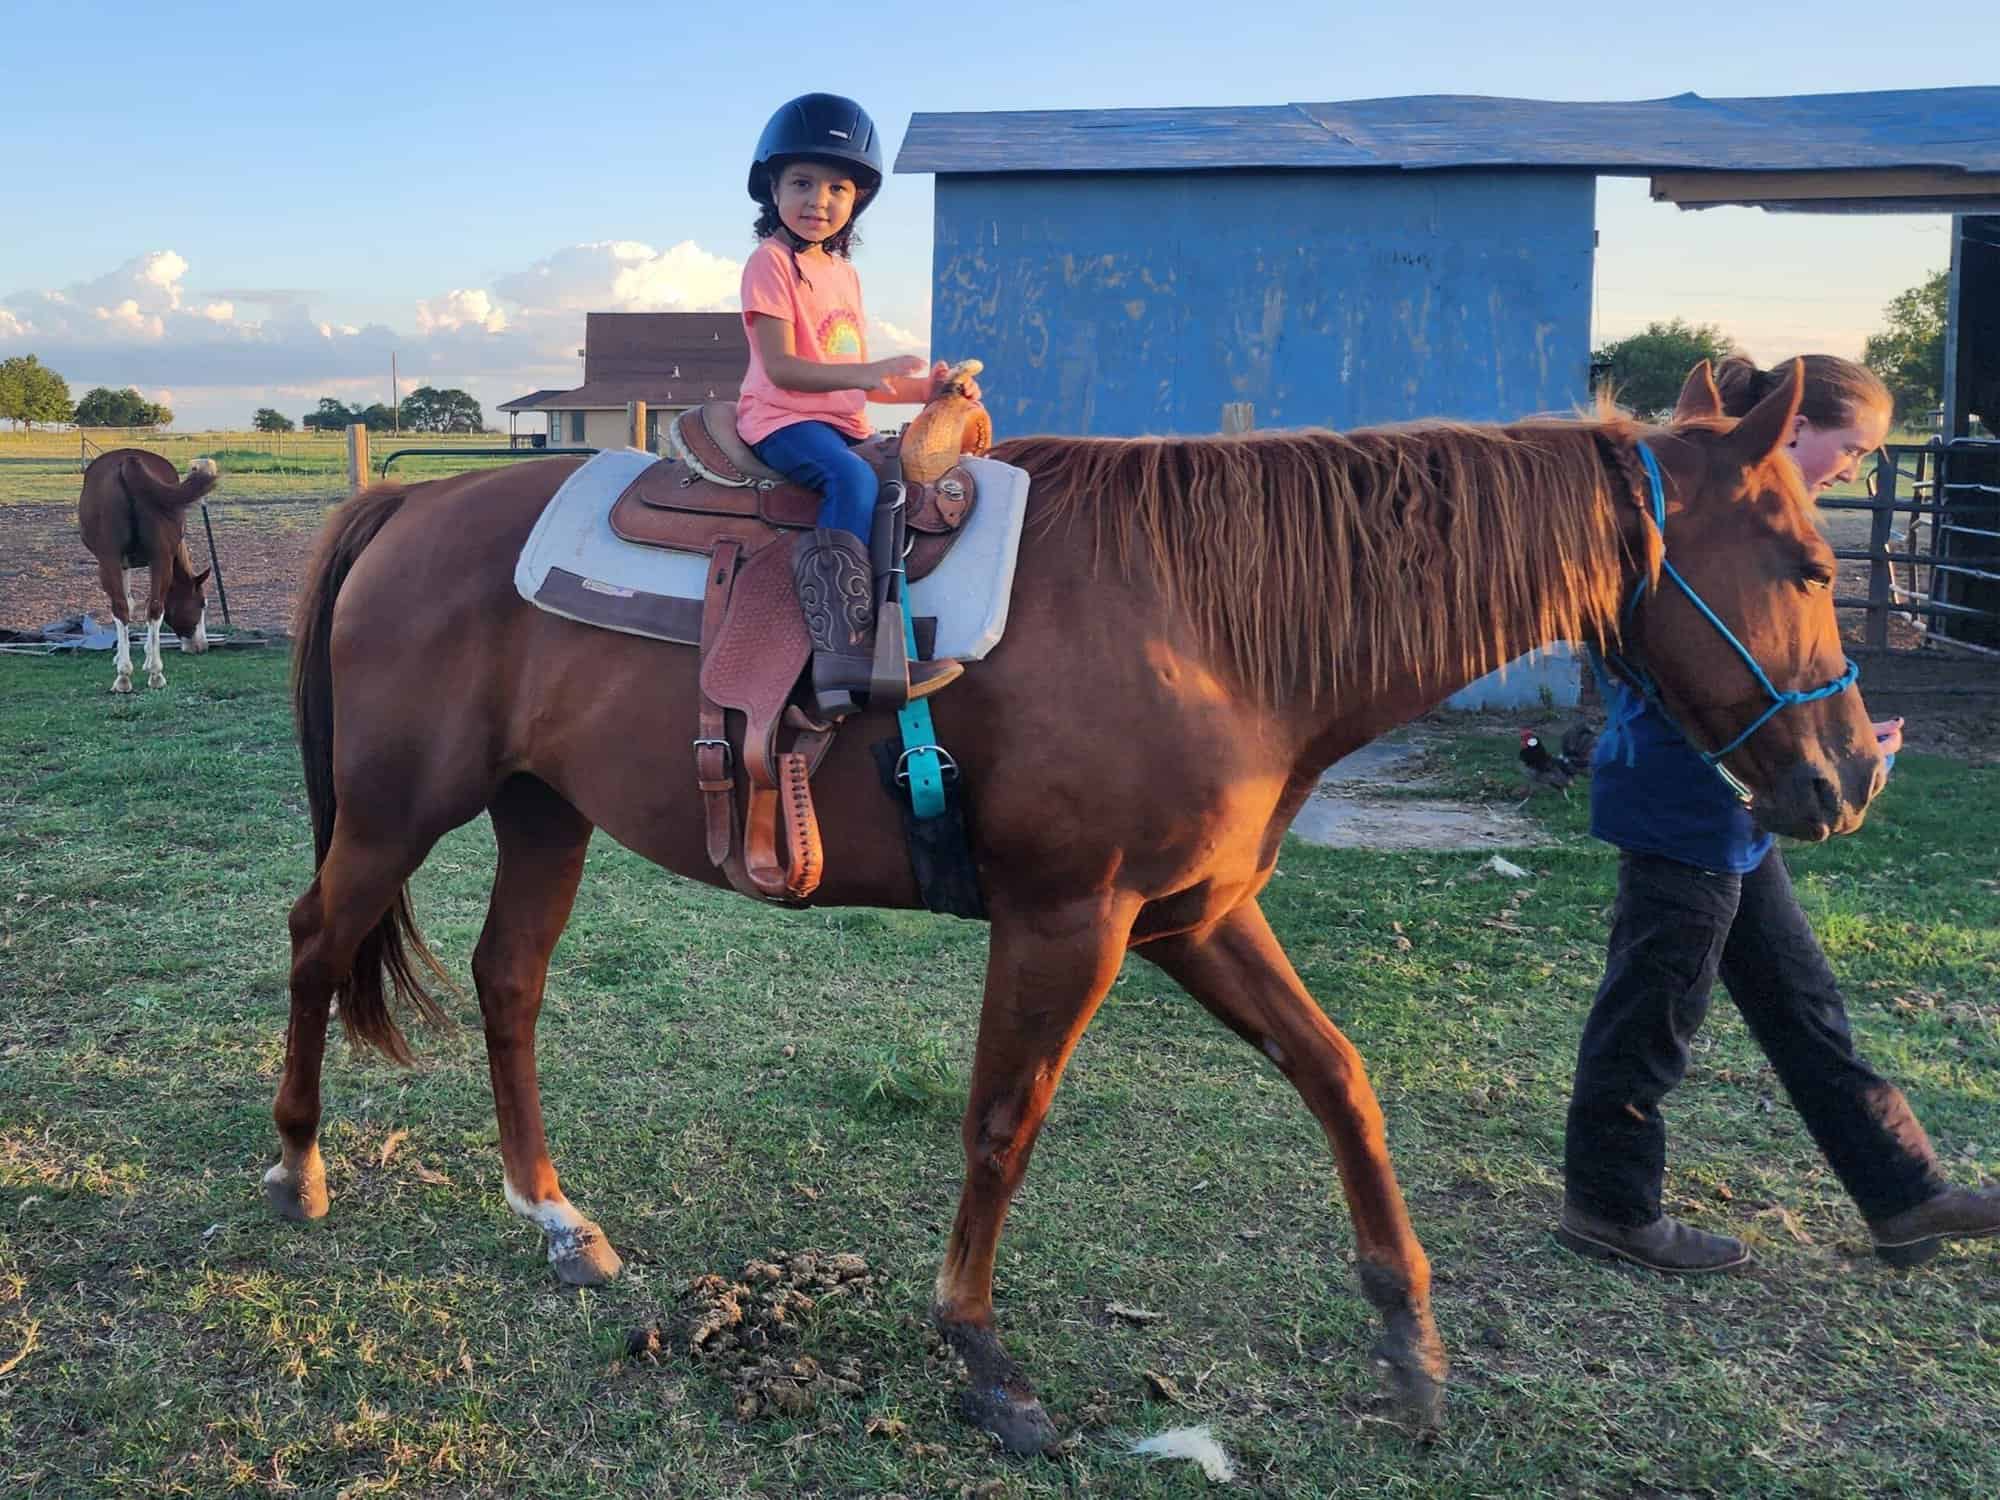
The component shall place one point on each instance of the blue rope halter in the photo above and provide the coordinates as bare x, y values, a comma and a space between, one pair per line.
1649, 687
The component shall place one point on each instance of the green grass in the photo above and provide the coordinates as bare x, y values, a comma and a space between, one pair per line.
45, 468
722, 1080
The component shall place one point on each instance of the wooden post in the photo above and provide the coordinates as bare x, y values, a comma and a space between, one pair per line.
1875, 632
357, 457
635, 424
1238, 416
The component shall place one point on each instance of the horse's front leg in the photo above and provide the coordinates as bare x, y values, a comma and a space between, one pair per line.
156, 609
111, 577
1046, 972
1237, 969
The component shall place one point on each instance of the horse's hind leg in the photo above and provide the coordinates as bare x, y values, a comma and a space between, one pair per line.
1240, 973
542, 841
156, 609
356, 884
111, 577
1045, 976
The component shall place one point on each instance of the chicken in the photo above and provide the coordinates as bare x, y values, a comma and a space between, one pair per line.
1559, 769
1543, 768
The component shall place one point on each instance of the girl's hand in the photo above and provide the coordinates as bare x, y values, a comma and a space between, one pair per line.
1889, 736
887, 372
940, 371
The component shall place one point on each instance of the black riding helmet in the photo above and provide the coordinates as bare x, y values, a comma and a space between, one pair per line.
820, 127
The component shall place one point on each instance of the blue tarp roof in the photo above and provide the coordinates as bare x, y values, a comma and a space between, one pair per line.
1941, 129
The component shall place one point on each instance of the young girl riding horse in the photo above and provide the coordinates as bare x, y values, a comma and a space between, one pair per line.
803, 403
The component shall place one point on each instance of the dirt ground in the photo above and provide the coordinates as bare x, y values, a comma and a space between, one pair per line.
45, 573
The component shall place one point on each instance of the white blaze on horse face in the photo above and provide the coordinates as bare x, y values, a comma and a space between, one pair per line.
199, 642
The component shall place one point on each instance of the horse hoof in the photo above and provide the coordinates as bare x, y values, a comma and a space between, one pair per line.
998, 1398
583, 1257
1415, 1383
1016, 1421
156, 679
122, 684
301, 1201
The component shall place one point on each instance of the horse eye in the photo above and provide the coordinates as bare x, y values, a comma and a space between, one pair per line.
1816, 576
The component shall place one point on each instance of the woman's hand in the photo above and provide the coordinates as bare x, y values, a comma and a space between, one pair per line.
1889, 736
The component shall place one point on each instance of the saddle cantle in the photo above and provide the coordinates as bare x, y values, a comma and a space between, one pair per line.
715, 498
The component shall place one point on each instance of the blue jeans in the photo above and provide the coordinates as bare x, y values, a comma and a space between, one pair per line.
822, 458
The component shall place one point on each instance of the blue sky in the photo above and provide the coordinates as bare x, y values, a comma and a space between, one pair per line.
220, 193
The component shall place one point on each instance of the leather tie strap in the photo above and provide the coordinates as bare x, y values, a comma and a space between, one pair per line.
711, 750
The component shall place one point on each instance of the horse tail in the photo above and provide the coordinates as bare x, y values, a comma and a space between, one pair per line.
394, 947
140, 485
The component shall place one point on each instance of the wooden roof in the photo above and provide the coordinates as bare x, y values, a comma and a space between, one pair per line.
663, 359
1947, 130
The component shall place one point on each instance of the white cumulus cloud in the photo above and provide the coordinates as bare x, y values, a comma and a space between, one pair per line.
241, 347
460, 309
625, 276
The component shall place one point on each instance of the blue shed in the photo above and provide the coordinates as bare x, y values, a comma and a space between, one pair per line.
1130, 271
1137, 271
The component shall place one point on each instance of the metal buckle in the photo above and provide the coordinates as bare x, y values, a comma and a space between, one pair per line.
946, 765
728, 755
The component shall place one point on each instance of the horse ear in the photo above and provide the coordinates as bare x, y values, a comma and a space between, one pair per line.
1769, 424
1699, 399
202, 577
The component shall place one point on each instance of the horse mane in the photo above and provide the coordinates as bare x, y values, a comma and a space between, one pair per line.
1439, 550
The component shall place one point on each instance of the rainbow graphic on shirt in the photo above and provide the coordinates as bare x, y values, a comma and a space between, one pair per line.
840, 335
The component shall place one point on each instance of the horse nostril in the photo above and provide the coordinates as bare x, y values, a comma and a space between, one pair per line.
1827, 796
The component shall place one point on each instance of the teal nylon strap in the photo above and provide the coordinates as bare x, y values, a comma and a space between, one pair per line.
919, 761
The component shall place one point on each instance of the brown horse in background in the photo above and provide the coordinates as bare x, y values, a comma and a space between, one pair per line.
133, 514
1199, 626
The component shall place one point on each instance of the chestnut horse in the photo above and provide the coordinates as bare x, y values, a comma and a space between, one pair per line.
1199, 627
132, 514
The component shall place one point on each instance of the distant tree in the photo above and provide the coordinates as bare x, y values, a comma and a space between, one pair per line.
104, 407
1909, 353
378, 418
428, 409
31, 392
1647, 369
331, 416
269, 419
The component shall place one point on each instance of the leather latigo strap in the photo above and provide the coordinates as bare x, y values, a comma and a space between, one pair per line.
711, 750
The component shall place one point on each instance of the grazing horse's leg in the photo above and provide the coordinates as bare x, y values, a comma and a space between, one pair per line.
1045, 974
156, 609
357, 882
1237, 969
542, 841
111, 576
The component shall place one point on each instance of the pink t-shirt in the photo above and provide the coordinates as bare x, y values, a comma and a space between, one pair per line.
827, 325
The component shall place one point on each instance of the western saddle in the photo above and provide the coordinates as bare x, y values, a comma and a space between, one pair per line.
714, 497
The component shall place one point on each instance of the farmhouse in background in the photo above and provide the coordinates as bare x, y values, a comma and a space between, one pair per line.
670, 361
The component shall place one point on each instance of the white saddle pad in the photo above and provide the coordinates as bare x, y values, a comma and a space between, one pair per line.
967, 593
